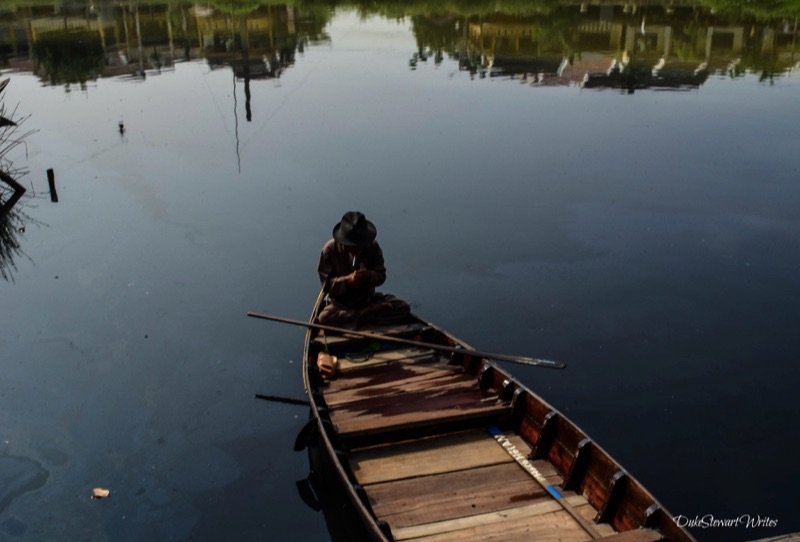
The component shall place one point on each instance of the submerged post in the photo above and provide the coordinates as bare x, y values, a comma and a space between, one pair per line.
51, 180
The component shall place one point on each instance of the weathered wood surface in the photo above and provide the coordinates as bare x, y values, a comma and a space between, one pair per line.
456, 486
401, 396
393, 381
542, 520
459, 451
422, 409
464, 485
438, 497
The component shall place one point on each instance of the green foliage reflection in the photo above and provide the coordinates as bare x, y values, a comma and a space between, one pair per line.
69, 56
260, 38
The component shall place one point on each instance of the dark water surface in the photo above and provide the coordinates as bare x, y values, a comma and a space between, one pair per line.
612, 186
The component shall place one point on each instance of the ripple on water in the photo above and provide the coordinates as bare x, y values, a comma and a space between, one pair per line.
18, 475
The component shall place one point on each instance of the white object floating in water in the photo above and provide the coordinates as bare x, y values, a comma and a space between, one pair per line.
100, 493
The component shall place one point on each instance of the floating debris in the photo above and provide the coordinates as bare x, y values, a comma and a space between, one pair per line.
100, 493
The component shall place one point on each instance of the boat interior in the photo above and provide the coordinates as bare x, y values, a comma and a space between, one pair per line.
447, 446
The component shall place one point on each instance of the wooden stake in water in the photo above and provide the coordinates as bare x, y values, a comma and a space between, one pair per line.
51, 180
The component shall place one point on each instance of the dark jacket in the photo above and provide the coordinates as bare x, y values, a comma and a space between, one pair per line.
335, 261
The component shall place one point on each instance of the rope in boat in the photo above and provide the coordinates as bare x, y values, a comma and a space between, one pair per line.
361, 356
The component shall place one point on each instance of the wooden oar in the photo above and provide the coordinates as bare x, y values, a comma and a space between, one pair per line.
536, 362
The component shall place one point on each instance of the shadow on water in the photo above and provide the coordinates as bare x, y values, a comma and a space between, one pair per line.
322, 491
18, 475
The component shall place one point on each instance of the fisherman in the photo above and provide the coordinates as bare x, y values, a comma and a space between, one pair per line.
350, 267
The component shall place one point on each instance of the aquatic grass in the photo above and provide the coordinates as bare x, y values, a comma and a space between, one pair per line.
12, 219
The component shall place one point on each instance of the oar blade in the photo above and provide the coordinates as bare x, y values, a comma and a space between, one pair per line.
537, 362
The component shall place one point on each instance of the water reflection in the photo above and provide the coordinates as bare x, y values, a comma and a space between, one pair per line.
11, 224
657, 229
79, 42
11, 191
632, 45
621, 46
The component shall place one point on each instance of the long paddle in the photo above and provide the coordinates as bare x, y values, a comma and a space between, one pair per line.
400, 340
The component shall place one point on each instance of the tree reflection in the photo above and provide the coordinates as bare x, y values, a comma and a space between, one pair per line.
69, 56
543, 42
614, 45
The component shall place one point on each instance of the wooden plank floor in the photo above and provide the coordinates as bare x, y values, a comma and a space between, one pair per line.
427, 499
458, 486
542, 521
464, 486
458, 451
406, 393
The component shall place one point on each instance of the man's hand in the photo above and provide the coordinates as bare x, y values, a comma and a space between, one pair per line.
356, 279
360, 277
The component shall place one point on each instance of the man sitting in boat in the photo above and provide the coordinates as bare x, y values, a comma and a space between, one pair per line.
351, 266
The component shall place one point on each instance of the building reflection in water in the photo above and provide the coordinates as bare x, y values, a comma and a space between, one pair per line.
610, 45
633, 45
79, 42
675, 44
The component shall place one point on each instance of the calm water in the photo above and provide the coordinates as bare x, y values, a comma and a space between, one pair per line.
615, 187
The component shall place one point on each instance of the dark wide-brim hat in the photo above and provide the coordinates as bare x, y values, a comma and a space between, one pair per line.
354, 230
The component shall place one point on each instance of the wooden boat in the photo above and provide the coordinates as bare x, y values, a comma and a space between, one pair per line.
435, 446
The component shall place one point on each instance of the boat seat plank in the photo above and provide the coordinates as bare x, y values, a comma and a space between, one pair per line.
403, 396
449, 495
417, 409
387, 375
402, 392
416, 380
542, 520
447, 453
